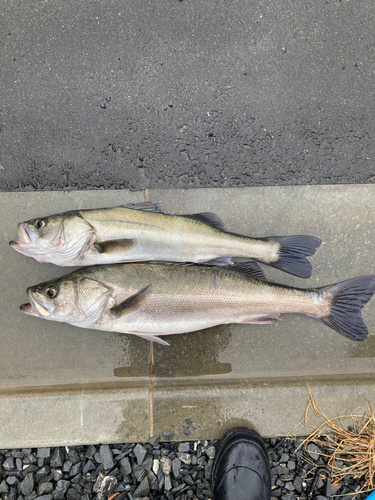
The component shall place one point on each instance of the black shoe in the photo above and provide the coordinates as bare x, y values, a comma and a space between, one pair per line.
241, 470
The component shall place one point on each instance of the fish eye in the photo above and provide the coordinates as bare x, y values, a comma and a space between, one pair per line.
40, 223
52, 291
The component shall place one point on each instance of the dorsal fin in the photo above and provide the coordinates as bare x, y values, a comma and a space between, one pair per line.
145, 206
207, 218
249, 270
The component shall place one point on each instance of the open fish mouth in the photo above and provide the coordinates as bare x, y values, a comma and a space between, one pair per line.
28, 309
35, 308
25, 236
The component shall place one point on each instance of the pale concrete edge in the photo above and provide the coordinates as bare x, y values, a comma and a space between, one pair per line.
69, 419
271, 409
120, 416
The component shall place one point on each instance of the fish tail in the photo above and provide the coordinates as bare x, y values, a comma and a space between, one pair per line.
292, 254
347, 298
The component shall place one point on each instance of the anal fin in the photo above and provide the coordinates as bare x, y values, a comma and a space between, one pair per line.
130, 304
267, 319
220, 261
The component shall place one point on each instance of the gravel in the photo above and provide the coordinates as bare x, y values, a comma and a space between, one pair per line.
154, 470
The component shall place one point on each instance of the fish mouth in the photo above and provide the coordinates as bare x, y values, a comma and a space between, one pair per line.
35, 307
28, 309
25, 236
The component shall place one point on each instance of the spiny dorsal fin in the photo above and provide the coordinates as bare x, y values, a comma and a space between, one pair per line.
145, 206
249, 270
207, 218
130, 304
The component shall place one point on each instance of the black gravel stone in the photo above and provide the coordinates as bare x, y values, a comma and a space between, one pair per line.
176, 465
56, 474
75, 469
90, 452
12, 480
12, 493
147, 463
67, 466
60, 490
27, 484
45, 488
171, 471
154, 440
125, 462
57, 458
73, 456
8, 463
4, 487
43, 452
17, 454
106, 456
314, 451
140, 453
143, 489
73, 494
184, 447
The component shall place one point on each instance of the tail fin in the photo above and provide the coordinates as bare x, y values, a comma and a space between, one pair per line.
348, 297
292, 253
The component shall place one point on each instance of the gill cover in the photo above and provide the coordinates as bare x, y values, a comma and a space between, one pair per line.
92, 299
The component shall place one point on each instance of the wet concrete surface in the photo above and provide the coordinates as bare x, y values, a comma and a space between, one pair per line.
219, 377
185, 94
38, 353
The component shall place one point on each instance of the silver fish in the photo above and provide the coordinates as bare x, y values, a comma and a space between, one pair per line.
154, 299
140, 232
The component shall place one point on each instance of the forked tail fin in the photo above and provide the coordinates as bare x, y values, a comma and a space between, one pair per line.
348, 297
292, 254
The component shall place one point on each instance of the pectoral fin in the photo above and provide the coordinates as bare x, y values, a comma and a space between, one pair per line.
130, 305
114, 246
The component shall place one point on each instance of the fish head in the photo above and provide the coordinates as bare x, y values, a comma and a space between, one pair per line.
60, 239
73, 299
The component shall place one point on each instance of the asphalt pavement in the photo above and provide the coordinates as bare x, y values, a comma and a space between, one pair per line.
145, 94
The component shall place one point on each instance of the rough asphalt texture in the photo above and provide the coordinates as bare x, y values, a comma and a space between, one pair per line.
165, 471
186, 93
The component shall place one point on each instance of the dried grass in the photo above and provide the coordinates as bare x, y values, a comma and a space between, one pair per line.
348, 441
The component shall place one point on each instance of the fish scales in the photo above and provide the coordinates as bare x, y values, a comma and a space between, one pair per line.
166, 237
120, 234
179, 299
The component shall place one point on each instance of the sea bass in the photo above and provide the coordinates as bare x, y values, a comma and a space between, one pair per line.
155, 299
140, 232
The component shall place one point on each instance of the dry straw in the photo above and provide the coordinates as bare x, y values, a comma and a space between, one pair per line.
348, 441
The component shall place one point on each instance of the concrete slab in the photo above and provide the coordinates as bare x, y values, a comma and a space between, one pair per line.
342, 216
252, 375
37, 353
